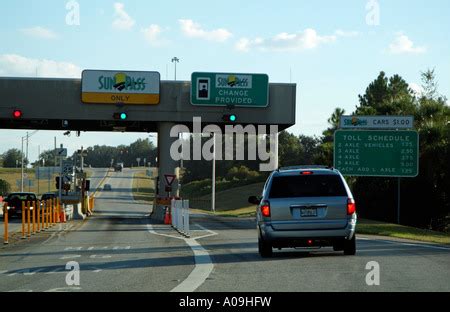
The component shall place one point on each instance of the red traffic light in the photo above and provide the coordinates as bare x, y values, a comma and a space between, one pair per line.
17, 113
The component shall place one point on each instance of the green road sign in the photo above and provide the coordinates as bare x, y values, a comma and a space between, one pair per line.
224, 89
377, 153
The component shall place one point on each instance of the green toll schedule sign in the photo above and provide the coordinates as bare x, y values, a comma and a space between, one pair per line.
377, 153
228, 89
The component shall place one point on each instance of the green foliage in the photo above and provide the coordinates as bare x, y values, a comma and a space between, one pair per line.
200, 188
242, 173
426, 199
5, 187
101, 156
13, 158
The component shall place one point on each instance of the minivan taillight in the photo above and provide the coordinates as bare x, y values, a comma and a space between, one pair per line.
351, 206
265, 209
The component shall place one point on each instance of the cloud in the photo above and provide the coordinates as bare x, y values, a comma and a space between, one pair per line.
343, 33
403, 45
123, 21
14, 65
39, 32
194, 30
304, 40
153, 35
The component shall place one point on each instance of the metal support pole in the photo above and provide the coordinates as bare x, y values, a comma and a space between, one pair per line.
5, 220
28, 219
60, 177
398, 200
23, 220
33, 216
38, 208
21, 170
38, 168
213, 199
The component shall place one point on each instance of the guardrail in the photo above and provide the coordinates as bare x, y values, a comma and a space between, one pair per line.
180, 216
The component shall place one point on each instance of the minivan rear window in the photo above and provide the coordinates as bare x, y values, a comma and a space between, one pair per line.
307, 186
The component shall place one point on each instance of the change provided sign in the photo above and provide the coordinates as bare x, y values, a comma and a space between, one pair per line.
224, 89
377, 153
124, 87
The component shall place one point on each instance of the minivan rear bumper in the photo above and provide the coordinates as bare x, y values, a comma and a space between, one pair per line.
269, 234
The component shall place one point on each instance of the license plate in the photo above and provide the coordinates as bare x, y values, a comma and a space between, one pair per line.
308, 212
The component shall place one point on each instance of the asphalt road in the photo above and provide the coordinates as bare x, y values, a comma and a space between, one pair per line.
120, 249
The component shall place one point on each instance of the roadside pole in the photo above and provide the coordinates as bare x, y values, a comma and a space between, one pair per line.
213, 199
38, 168
60, 177
398, 200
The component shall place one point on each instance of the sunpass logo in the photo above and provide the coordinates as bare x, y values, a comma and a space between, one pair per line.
234, 81
355, 122
120, 82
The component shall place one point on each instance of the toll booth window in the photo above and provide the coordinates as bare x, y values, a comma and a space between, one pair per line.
307, 186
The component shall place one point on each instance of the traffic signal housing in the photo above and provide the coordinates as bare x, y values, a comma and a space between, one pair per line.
229, 118
57, 183
120, 116
17, 114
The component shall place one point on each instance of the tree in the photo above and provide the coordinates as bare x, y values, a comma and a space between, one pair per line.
324, 155
5, 187
47, 159
13, 158
387, 96
428, 195
289, 149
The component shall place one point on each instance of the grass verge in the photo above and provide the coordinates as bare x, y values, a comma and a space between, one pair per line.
12, 175
143, 187
399, 231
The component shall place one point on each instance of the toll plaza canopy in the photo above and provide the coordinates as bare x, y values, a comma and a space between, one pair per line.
55, 104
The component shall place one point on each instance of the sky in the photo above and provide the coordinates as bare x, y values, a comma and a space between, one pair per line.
331, 49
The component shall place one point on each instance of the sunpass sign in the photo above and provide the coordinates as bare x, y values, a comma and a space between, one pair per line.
120, 87
377, 122
230, 89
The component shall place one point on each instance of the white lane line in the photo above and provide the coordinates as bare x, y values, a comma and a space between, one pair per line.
100, 256
122, 248
29, 273
203, 268
55, 271
203, 264
64, 289
20, 290
152, 231
211, 233
403, 243
73, 248
69, 257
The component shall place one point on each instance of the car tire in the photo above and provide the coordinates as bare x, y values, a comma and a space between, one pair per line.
264, 248
338, 246
350, 246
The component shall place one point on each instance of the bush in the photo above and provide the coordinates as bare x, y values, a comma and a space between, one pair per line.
5, 187
241, 173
